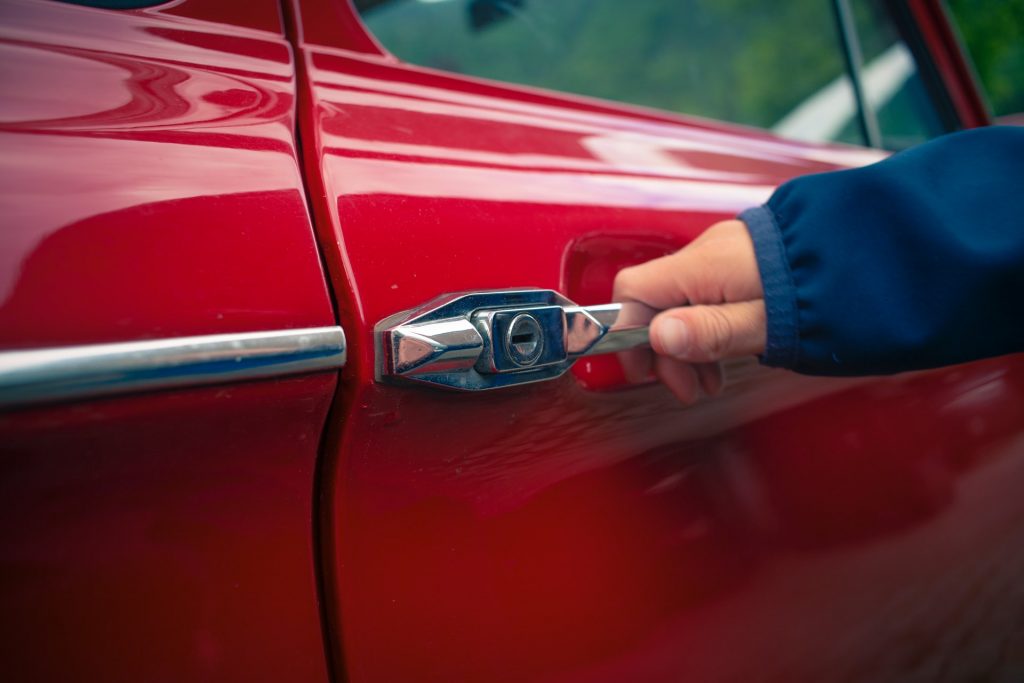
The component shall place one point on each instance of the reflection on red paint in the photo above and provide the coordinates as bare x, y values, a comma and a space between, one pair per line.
795, 529
150, 185
512, 546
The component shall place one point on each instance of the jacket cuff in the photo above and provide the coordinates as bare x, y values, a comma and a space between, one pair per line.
783, 342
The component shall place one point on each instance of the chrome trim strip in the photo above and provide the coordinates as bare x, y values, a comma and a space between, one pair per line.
74, 372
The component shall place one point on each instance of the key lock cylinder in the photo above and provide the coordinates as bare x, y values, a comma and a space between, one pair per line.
485, 340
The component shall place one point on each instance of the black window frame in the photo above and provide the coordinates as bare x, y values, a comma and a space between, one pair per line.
906, 25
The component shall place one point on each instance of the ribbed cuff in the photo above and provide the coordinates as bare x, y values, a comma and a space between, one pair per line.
783, 343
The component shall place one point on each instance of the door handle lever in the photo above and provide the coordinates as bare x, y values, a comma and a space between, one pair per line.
473, 341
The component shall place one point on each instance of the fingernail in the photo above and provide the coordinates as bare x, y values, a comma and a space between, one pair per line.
675, 338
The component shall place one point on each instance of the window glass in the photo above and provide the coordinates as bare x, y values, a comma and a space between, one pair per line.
776, 65
892, 86
993, 31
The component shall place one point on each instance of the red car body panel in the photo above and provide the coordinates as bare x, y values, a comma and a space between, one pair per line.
793, 529
150, 189
576, 530
165, 537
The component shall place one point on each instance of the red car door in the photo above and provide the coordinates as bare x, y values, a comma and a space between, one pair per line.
580, 530
168, 349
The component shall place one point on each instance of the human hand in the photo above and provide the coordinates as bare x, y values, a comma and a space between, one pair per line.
712, 308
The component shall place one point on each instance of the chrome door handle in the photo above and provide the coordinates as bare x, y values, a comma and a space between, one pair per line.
484, 340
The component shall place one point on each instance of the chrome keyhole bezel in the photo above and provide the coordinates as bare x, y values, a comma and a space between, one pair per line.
524, 340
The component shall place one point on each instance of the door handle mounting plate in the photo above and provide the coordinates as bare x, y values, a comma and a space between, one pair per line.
473, 341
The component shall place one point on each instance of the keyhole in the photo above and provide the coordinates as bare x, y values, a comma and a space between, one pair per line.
524, 340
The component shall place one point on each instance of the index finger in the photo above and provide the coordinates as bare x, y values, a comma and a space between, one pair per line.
718, 267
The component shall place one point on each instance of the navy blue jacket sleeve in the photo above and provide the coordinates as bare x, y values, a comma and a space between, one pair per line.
914, 262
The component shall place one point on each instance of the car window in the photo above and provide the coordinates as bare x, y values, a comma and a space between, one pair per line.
993, 32
893, 87
779, 66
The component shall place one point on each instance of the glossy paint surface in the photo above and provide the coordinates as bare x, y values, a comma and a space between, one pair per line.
148, 178
149, 188
794, 529
164, 537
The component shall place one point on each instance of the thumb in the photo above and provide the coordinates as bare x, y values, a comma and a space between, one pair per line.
704, 334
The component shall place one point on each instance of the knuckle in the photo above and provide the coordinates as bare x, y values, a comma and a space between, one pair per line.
718, 334
625, 280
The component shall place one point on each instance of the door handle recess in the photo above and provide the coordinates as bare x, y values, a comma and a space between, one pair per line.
473, 341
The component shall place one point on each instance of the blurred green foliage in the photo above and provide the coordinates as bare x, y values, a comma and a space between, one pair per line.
993, 31
744, 61
735, 60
